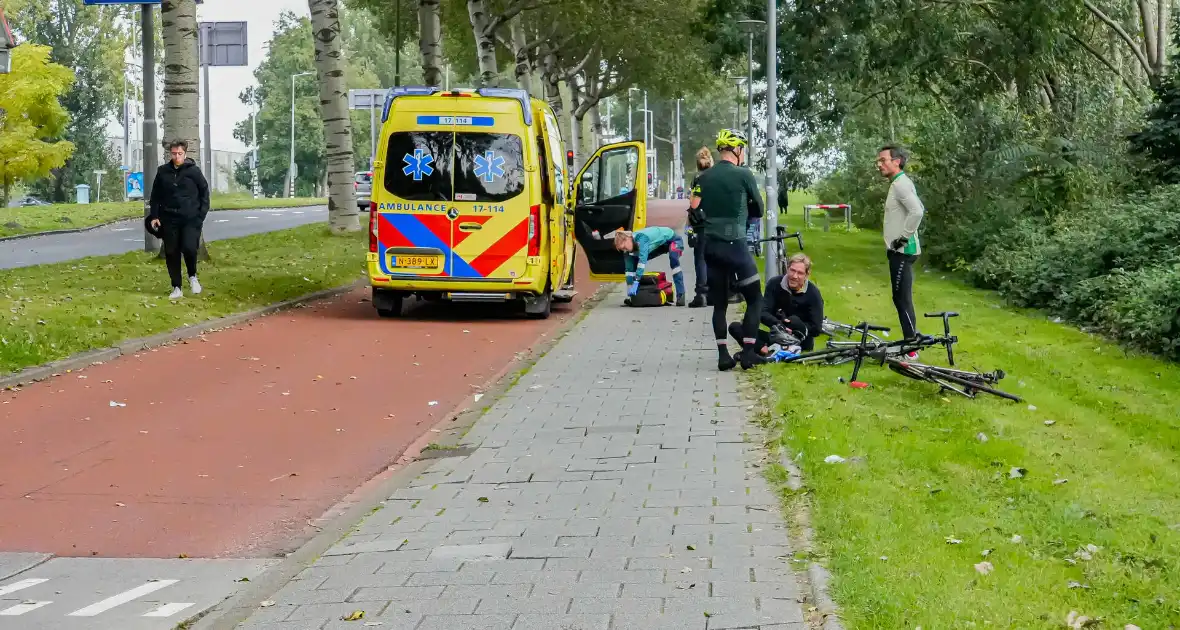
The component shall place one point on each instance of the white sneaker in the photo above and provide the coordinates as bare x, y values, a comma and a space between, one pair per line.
194, 285
176, 294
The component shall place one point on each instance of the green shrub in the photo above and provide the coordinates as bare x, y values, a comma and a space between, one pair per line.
1140, 308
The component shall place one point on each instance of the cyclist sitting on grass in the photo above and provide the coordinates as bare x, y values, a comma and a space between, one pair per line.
792, 305
639, 247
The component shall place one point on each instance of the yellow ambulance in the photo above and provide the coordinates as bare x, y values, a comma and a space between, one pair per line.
471, 201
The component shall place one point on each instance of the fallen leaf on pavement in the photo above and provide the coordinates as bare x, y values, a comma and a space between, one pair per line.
984, 567
482, 499
267, 604
686, 570
182, 556
432, 403
120, 505
691, 548
118, 404
355, 615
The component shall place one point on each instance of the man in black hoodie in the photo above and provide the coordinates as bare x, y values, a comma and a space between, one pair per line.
179, 203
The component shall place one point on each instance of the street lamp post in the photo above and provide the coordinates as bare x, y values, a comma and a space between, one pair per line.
771, 131
750, 27
679, 153
647, 142
649, 120
291, 164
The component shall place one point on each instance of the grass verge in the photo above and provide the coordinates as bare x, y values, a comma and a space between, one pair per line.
50, 312
925, 495
69, 216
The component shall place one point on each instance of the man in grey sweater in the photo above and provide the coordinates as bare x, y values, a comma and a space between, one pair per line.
903, 215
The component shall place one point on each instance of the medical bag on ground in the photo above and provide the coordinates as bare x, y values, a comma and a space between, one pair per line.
654, 290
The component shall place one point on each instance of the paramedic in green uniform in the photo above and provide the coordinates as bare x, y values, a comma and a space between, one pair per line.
638, 248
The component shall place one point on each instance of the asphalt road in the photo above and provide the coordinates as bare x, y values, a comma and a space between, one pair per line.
127, 236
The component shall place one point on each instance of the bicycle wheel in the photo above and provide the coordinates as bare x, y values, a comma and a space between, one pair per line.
920, 372
980, 387
834, 356
977, 377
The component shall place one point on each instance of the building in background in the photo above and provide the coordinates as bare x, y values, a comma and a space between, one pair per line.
220, 180
7, 43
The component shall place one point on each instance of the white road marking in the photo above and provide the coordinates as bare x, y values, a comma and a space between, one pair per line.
222, 221
167, 610
21, 585
298, 212
122, 598
121, 229
251, 217
22, 608
130, 240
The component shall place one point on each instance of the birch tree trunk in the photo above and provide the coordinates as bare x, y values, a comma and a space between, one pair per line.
523, 70
485, 42
551, 78
430, 41
577, 123
329, 63
178, 24
596, 127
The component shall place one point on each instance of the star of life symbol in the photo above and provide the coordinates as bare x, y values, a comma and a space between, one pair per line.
489, 166
418, 164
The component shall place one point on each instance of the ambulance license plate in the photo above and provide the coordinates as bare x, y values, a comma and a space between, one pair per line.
415, 262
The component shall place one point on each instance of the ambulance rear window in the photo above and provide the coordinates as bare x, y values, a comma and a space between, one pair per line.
418, 165
488, 166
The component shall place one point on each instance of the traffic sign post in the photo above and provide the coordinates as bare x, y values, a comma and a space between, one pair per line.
370, 100
98, 185
221, 44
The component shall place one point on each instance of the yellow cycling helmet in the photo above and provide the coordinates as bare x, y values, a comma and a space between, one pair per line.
730, 139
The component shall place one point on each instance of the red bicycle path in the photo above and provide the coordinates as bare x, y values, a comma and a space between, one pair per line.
231, 444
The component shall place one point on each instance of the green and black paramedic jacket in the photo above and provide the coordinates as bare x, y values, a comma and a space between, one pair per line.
730, 198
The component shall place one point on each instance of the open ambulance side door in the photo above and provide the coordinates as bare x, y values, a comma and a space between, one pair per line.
610, 194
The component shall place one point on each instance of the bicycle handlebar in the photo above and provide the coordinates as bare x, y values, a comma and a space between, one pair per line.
866, 326
781, 237
946, 331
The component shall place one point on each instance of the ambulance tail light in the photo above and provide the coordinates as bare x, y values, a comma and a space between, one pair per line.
373, 227
535, 231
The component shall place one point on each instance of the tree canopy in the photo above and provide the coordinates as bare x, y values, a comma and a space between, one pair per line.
33, 120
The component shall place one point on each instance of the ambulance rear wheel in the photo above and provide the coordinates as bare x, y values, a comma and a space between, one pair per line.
388, 304
539, 307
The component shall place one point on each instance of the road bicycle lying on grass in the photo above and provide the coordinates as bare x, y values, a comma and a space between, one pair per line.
893, 354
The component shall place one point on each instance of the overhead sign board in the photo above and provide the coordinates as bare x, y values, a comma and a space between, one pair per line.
152, 2
223, 44
366, 99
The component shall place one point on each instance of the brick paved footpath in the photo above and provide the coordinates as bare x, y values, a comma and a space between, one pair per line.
612, 489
